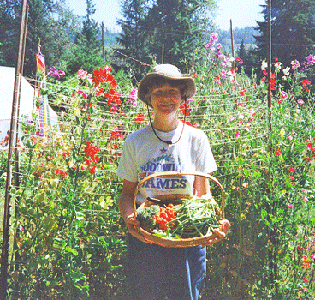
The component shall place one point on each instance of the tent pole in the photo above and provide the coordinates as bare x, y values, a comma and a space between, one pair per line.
6, 214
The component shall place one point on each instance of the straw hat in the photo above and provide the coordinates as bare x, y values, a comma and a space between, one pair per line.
166, 71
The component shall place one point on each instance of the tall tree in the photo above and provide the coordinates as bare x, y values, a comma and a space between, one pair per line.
48, 21
170, 30
292, 30
133, 36
87, 54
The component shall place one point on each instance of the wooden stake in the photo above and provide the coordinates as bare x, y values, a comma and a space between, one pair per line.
232, 42
6, 214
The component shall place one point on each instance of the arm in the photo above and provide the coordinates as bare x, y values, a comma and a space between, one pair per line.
126, 208
202, 187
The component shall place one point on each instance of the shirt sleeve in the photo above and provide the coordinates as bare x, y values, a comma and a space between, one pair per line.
205, 161
127, 168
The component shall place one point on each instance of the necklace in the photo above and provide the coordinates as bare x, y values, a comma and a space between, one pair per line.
168, 142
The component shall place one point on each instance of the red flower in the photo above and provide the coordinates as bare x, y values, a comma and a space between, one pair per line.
291, 169
92, 169
278, 152
309, 145
115, 134
291, 177
90, 150
140, 118
185, 107
61, 173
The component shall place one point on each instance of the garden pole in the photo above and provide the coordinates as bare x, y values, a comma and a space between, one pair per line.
16, 151
272, 233
232, 42
103, 41
6, 214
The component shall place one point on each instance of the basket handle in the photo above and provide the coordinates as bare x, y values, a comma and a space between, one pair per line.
175, 173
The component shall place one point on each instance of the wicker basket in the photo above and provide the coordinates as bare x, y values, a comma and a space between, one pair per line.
170, 242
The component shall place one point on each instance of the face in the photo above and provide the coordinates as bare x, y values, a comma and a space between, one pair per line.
165, 99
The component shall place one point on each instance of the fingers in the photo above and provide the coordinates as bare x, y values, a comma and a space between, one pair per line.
218, 234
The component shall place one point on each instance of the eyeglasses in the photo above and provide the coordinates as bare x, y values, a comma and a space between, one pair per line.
166, 94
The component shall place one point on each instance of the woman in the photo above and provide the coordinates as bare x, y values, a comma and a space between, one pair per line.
166, 144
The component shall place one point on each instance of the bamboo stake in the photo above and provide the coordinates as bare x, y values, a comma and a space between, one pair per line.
6, 215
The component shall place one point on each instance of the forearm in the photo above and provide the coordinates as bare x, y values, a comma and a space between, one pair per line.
126, 206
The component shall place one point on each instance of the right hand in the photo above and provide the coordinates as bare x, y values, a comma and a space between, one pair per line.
133, 226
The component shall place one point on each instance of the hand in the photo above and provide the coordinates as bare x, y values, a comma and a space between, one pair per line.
218, 234
133, 226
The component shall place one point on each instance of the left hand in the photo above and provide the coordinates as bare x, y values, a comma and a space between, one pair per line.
218, 234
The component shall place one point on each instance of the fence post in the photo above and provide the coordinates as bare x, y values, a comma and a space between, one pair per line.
6, 214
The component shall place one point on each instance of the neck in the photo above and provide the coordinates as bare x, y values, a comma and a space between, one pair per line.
165, 124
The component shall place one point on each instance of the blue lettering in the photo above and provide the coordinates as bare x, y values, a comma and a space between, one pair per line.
163, 183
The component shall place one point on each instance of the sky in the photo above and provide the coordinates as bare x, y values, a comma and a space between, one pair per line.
242, 12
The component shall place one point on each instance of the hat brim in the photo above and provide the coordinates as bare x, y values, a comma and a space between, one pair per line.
143, 89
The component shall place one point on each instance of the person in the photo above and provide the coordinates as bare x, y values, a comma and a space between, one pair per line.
166, 144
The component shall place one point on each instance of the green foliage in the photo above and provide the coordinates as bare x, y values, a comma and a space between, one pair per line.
167, 31
145, 214
70, 239
292, 29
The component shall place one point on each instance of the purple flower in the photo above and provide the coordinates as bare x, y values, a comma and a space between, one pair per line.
295, 64
310, 59
213, 40
58, 74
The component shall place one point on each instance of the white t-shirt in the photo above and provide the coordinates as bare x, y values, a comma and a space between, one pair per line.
143, 154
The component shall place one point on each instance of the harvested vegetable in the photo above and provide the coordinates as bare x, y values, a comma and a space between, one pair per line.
145, 214
185, 218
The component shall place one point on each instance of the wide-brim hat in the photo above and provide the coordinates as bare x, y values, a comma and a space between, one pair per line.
166, 71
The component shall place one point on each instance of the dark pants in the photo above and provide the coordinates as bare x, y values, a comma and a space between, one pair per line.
155, 272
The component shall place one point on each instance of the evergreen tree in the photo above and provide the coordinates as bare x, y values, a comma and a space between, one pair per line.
170, 30
292, 30
87, 49
133, 36
48, 21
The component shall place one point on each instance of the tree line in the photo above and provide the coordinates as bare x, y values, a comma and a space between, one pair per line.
172, 31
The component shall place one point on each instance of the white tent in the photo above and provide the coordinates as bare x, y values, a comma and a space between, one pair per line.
7, 80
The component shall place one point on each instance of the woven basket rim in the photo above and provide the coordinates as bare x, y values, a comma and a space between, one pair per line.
184, 242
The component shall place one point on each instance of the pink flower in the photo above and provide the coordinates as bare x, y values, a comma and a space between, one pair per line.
284, 95
231, 118
237, 134
300, 101
290, 205
305, 280
82, 74
305, 199
305, 289
313, 256
290, 137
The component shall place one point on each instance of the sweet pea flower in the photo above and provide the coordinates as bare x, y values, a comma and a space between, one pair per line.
237, 134
290, 137
286, 71
300, 102
295, 64
310, 59
82, 74
264, 65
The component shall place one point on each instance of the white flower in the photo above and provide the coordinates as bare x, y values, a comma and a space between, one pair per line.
278, 65
264, 65
286, 71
